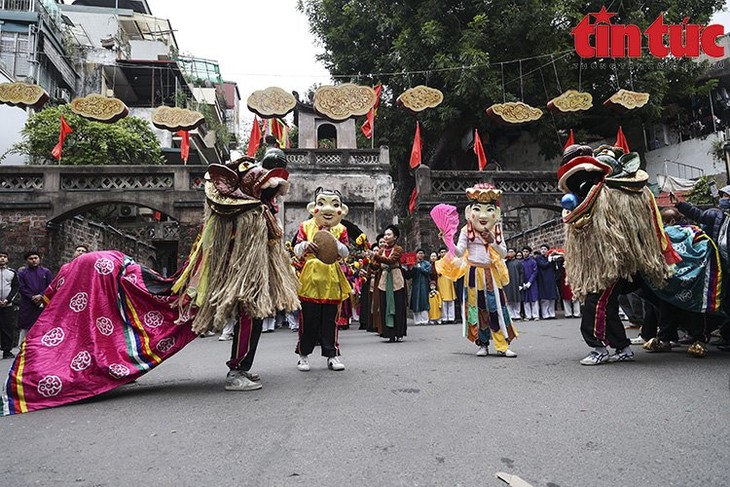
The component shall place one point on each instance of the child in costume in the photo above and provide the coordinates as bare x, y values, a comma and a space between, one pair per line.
323, 286
434, 304
447, 290
485, 314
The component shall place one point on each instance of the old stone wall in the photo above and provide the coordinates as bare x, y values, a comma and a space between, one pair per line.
551, 233
21, 231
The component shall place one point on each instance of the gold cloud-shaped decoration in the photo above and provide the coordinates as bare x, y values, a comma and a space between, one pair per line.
174, 118
483, 193
99, 108
627, 100
273, 102
420, 98
514, 112
340, 102
571, 101
23, 95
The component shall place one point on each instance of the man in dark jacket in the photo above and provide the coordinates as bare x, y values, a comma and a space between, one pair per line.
716, 223
8, 292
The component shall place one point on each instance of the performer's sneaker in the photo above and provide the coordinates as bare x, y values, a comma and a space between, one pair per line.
623, 355
656, 345
225, 337
8, 354
237, 381
638, 341
697, 349
303, 363
333, 363
506, 353
482, 352
252, 376
595, 358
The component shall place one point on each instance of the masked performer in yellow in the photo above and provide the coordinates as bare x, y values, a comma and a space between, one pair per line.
321, 240
485, 312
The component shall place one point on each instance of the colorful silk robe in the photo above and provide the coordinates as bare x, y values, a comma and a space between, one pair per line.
106, 322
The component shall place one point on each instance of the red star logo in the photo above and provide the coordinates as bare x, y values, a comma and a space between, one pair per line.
603, 16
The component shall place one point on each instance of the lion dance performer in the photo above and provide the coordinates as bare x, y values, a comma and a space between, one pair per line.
614, 242
485, 313
321, 240
108, 320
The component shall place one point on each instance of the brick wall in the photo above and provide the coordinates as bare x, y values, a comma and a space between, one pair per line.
551, 233
23, 231
20, 232
97, 236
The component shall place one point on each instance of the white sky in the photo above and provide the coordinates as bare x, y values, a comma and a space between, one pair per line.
257, 44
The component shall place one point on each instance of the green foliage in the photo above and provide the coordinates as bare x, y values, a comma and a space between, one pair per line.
128, 141
700, 194
457, 46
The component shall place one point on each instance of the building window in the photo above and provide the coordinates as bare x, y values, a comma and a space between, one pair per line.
15, 53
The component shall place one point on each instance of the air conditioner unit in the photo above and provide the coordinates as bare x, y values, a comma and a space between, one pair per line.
126, 211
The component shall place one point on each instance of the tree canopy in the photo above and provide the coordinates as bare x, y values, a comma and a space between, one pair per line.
128, 141
468, 50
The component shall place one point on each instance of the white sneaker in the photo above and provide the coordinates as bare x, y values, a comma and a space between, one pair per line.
482, 352
595, 358
236, 380
303, 363
225, 337
507, 353
333, 363
638, 341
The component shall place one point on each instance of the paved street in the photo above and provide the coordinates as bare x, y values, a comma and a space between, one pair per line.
424, 412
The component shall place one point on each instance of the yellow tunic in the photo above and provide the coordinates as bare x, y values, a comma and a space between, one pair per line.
434, 303
322, 283
446, 288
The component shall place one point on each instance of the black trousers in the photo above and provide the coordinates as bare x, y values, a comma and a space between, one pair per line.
317, 325
246, 334
600, 324
7, 328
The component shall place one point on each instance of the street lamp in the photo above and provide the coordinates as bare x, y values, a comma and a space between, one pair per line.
726, 150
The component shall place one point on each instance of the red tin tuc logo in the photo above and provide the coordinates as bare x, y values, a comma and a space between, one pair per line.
604, 39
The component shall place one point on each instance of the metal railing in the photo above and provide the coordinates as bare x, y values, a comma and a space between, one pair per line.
18, 5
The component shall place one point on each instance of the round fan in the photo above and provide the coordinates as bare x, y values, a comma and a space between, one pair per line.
446, 218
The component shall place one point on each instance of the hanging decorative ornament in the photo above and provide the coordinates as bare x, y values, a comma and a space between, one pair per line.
340, 102
571, 101
624, 100
99, 108
23, 95
514, 112
175, 119
273, 102
420, 98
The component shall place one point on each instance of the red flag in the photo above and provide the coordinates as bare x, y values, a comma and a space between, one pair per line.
65, 130
367, 127
412, 201
416, 150
570, 141
621, 140
255, 139
184, 145
479, 151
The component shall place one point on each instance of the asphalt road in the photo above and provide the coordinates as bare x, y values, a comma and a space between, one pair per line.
425, 412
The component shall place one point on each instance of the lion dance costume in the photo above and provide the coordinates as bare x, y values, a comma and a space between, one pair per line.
108, 320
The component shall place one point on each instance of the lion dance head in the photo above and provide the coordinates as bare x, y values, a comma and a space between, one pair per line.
612, 227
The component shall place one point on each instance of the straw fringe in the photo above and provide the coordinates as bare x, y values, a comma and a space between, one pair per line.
620, 242
237, 269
